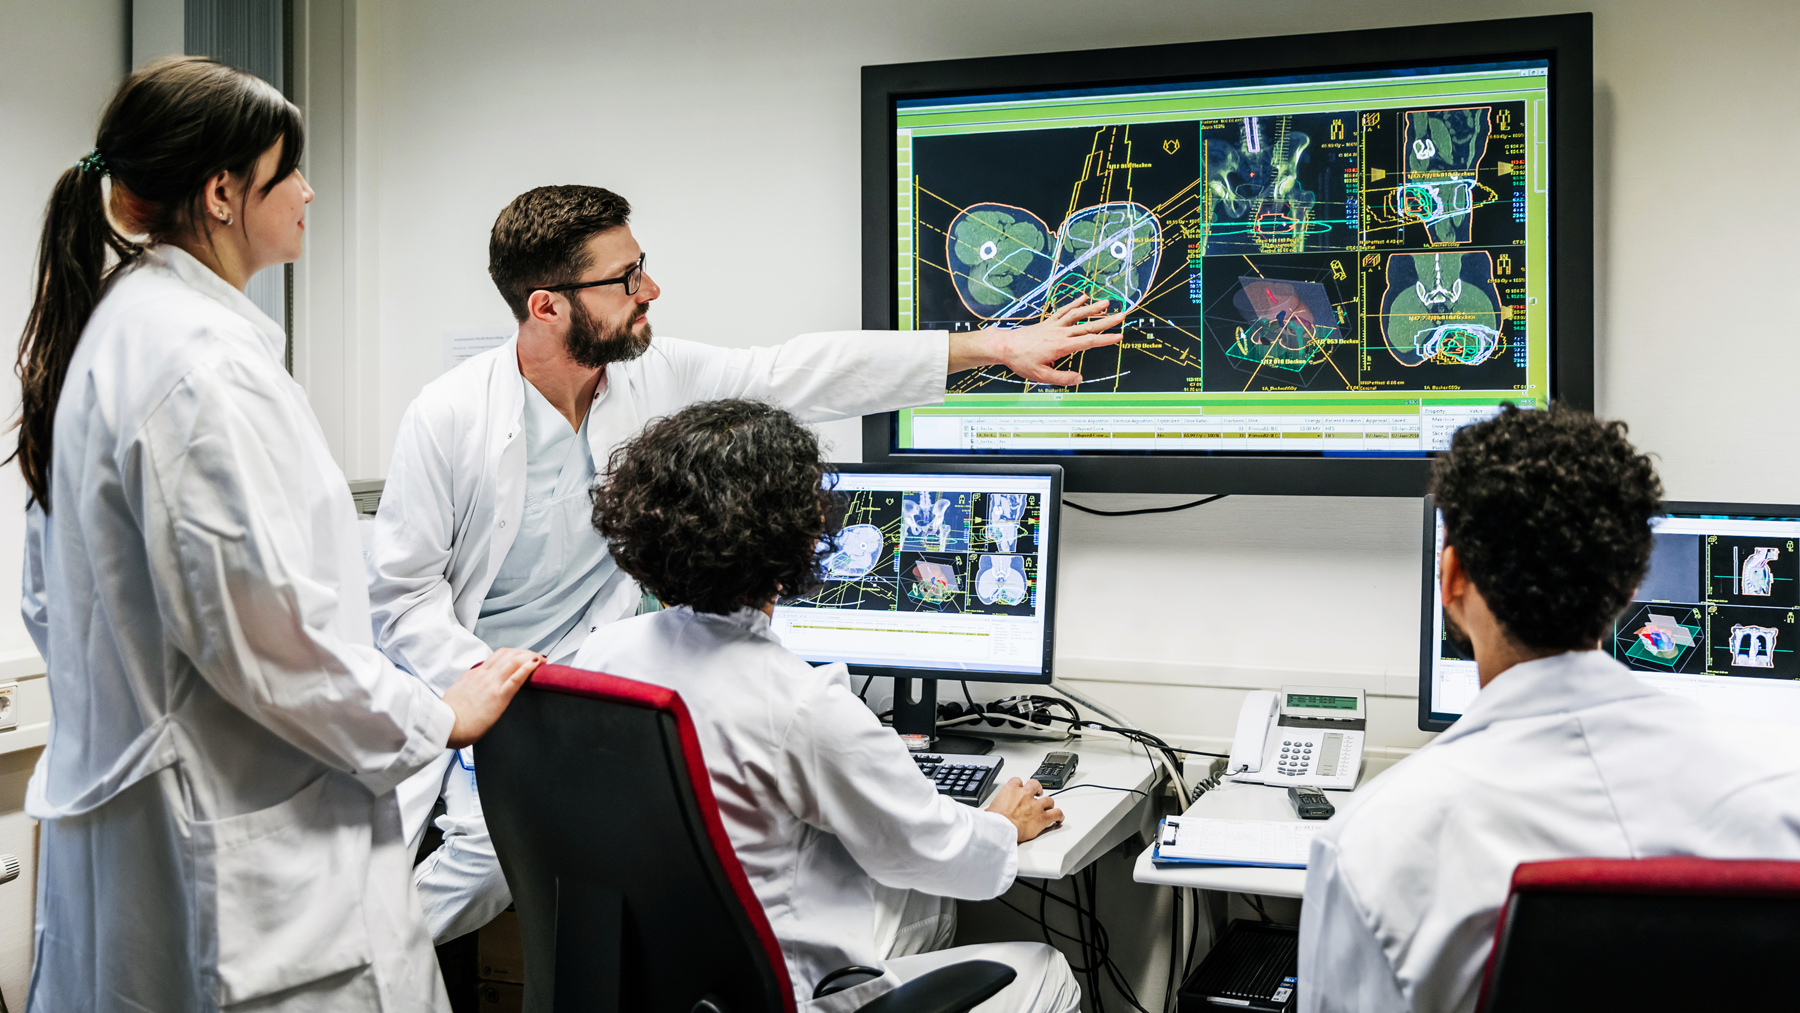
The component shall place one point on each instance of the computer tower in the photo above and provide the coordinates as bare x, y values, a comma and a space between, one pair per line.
1252, 967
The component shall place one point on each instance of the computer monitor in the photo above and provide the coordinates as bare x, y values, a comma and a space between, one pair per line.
934, 572
1713, 619
1332, 249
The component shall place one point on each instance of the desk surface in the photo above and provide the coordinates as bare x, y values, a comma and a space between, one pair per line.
1094, 819
1233, 801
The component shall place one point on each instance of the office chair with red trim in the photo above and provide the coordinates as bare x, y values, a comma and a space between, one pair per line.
1645, 933
629, 894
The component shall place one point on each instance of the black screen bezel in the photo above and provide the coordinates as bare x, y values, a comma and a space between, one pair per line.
1052, 509
1566, 41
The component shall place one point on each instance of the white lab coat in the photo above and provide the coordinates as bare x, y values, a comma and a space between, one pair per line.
1570, 756
456, 487
820, 800
217, 792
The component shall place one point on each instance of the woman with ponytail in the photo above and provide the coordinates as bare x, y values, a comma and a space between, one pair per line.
217, 794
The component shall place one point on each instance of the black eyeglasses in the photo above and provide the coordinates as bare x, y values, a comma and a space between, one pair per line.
632, 280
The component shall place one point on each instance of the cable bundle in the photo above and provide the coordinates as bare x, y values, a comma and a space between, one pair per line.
1090, 937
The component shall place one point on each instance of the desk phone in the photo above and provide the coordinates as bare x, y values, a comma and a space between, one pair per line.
1310, 735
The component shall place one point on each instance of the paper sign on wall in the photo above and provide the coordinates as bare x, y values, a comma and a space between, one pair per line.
462, 343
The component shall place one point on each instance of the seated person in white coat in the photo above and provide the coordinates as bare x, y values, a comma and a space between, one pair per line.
1563, 754
483, 537
716, 510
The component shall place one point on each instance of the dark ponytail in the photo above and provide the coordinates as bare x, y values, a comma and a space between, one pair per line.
170, 127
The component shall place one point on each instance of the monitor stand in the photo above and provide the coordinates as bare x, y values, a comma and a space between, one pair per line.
918, 716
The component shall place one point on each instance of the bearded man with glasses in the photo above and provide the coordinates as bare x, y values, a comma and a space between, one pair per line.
484, 533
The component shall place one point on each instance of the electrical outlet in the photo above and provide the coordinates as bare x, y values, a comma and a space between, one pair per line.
9, 706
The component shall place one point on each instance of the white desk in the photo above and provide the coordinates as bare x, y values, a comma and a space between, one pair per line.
1233, 801
1094, 820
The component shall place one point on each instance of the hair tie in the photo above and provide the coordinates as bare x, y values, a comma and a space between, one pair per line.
93, 161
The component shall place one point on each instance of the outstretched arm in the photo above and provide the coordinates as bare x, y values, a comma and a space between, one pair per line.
1033, 351
820, 377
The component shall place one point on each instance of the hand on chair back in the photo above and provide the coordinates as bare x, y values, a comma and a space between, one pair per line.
481, 695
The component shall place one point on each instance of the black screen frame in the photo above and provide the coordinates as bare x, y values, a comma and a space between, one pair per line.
1428, 642
1565, 40
1428, 591
1052, 509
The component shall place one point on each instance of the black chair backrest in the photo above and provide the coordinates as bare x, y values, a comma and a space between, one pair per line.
629, 895
1650, 933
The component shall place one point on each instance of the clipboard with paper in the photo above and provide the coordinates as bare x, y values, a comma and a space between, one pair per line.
1270, 844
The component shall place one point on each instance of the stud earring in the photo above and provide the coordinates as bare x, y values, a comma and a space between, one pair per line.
227, 219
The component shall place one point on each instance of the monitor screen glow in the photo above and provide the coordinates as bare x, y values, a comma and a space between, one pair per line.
1713, 620
1337, 265
939, 575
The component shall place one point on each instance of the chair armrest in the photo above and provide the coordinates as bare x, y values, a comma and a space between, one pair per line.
845, 978
954, 989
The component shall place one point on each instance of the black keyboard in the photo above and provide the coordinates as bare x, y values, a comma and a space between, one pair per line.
962, 777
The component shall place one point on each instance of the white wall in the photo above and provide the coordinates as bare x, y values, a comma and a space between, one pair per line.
733, 127
59, 64
336, 355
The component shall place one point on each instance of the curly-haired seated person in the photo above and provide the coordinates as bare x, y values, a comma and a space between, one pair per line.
717, 510
1563, 753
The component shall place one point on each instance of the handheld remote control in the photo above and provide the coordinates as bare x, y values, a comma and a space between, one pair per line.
1310, 803
1056, 770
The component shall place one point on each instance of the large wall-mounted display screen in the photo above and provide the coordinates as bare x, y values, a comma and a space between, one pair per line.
1340, 265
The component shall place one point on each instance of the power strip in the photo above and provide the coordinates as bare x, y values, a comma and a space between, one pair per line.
1012, 717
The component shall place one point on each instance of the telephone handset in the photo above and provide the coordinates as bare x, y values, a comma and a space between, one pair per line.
1302, 735
1255, 720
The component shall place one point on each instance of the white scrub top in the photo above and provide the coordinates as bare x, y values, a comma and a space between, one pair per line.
558, 563
217, 793
821, 802
1570, 756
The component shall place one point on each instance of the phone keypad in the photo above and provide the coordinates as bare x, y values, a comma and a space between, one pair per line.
1296, 755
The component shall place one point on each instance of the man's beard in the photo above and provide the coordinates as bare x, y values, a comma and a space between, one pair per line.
1459, 638
593, 346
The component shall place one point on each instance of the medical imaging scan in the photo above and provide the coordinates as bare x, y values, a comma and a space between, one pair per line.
1248, 252
1286, 321
1319, 264
1003, 584
1715, 604
860, 557
1007, 523
1279, 184
1442, 177
934, 521
931, 551
1446, 318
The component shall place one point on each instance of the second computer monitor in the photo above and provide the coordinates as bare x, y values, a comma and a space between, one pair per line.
1712, 620
935, 572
